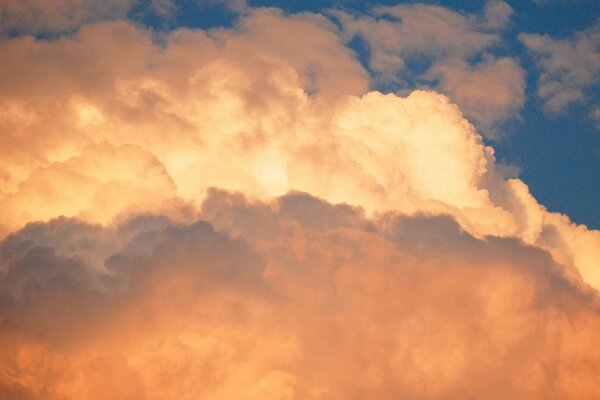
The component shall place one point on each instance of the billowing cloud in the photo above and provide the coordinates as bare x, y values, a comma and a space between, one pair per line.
102, 180
231, 213
311, 300
112, 83
568, 66
445, 50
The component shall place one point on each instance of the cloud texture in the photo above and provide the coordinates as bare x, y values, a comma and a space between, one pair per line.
311, 300
230, 213
432, 46
569, 66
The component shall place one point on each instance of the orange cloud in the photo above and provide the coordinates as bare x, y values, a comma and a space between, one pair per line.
311, 300
231, 214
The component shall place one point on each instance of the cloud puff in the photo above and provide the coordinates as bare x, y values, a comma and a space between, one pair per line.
190, 95
310, 300
568, 66
491, 91
97, 185
496, 14
432, 46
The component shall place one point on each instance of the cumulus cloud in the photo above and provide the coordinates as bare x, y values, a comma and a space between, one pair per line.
569, 66
230, 213
310, 300
438, 48
256, 109
111, 82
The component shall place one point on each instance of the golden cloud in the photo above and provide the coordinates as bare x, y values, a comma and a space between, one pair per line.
232, 214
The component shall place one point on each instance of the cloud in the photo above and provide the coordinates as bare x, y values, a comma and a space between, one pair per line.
497, 14
431, 46
111, 82
499, 102
322, 302
245, 110
193, 212
97, 185
596, 115
568, 66
240, 6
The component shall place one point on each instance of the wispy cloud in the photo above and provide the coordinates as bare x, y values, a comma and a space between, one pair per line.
569, 66
51, 16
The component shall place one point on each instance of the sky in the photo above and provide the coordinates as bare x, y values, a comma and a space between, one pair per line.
299, 199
